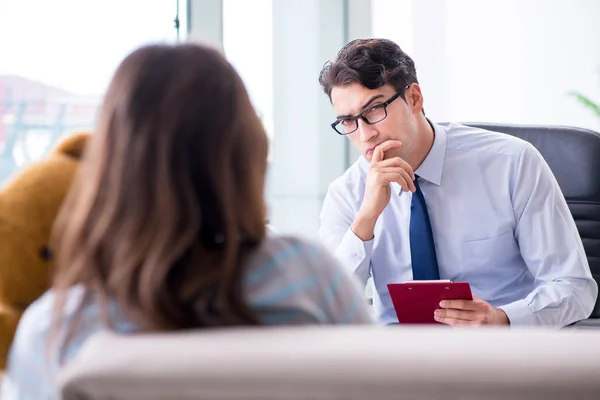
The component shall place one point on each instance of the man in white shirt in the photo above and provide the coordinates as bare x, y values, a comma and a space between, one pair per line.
446, 201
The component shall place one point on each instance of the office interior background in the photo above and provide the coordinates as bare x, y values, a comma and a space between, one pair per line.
509, 61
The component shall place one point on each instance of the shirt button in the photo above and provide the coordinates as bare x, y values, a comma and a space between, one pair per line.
356, 256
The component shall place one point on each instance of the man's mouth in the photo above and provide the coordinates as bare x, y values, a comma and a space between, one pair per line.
369, 151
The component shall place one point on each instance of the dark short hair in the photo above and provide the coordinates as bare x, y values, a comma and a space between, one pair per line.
371, 62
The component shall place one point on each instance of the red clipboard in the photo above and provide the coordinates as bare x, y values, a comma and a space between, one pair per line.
416, 301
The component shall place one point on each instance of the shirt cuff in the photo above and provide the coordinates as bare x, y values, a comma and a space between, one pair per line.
519, 313
355, 255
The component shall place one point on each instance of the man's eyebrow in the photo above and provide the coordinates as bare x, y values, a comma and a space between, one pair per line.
372, 99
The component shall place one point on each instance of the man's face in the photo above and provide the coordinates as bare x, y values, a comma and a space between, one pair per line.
400, 123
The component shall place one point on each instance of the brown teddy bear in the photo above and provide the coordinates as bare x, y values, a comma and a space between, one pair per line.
29, 203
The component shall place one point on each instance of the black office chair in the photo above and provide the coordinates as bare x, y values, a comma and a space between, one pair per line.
573, 155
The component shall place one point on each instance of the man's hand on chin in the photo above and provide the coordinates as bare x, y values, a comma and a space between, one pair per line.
474, 312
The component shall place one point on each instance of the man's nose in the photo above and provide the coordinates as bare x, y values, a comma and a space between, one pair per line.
366, 131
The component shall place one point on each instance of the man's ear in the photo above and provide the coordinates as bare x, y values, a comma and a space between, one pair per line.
414, 97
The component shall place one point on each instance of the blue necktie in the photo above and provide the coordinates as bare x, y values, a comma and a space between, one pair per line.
422, 248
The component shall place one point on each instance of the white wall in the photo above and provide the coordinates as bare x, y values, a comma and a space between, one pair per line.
500, 61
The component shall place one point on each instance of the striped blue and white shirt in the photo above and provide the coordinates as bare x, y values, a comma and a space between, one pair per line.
287, 281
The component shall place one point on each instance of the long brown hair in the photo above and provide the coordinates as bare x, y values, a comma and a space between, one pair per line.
169, 197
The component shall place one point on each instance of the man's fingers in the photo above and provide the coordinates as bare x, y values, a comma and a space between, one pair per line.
379, 150
457, 317
397, 162
457, 322
385, 178
461, 304
457, 314
404, 175
410, 181
476, 312
393, 162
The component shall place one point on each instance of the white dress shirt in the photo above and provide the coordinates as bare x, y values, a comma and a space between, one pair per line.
499, 222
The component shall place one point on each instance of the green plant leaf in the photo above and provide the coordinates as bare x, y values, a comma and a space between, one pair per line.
587, 102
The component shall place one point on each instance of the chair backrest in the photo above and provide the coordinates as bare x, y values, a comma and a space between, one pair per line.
573, 155
337, 362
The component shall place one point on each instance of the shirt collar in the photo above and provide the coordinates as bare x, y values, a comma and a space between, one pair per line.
433, 164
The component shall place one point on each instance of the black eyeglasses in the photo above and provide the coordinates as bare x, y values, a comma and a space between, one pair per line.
371, 115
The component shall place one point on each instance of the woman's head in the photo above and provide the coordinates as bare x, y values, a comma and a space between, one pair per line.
170, 193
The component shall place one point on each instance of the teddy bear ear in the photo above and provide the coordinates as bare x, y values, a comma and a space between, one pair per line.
74, 145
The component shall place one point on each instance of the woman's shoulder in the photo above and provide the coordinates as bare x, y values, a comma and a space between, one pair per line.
37, 318
287, 248
290, 276
287, 255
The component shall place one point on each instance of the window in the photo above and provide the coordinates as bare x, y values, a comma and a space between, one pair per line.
248, 45
58, 60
